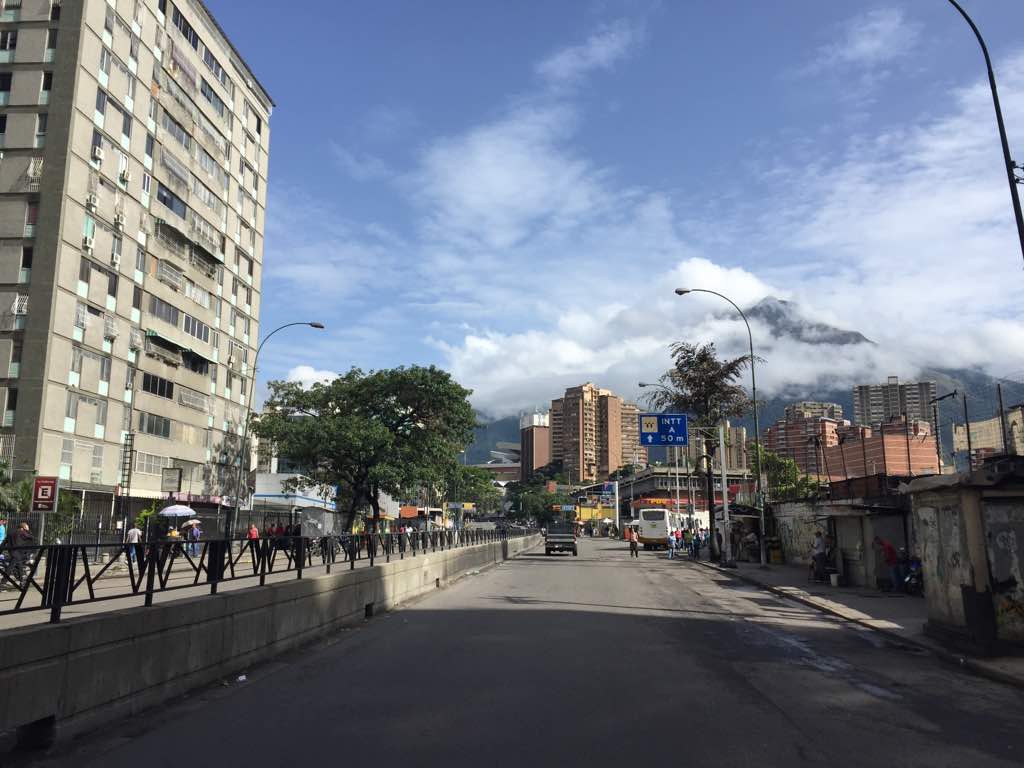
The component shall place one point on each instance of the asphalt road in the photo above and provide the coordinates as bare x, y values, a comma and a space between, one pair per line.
594, 660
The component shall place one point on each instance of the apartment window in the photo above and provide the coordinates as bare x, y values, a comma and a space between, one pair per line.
196, 328
5, 88
3, 127
166, 312
8, 42
215, 101
76, 359
12, 407
185, 28
71, 406
81, 315
51, 43
67, 452
105, 59
218, 71
149, 145
47, 86
97, 139
149, 464
84, 270
171, 200
14, 369
26, 264
147, 182
259, 126
88, 226
41, 120
101, 102
199, 295
133, 50
105, 369
112, 283
140, 258
31, 218
158, 386
126, 124
108, 21
206, 196
176, 130
55, 10
137, 298
152, 424
96, 475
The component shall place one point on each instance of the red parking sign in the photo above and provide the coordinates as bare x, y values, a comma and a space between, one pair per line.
44, 494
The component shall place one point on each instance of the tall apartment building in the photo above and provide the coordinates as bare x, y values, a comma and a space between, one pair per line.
593, 433
632, 451
132, 195
875, 404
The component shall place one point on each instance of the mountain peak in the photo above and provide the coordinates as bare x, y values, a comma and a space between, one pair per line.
784, 318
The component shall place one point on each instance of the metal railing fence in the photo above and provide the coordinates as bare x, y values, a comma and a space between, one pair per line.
52, 576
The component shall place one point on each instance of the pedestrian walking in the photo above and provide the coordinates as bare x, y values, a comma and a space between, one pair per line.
671, 545
194, 534
132, 540
253, 533
695, 545
892, 562
818, 555
3, 531
634, 542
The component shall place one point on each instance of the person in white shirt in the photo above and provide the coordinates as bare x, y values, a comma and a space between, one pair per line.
132, 539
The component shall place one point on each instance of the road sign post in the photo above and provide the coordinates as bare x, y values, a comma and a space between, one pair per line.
44, 499
663, 429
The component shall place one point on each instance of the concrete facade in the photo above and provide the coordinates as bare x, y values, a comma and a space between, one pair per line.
970, 532
534, 450
103, 668
132, 199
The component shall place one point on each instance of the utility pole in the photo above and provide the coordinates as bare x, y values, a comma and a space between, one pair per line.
1007, 450
967, 426
938, 433
727, 558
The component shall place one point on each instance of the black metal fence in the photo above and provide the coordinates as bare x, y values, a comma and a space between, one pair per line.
52, 576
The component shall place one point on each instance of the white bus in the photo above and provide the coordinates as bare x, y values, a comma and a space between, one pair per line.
655, 524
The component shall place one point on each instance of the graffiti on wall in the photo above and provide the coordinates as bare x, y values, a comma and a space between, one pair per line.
1004, 533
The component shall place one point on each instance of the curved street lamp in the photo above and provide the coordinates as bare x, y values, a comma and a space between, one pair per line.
1011, 167
242, 448
753, 397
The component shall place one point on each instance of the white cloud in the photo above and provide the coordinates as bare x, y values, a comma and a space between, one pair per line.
361, 167
603, 49
876, 37
534, 268
307, 375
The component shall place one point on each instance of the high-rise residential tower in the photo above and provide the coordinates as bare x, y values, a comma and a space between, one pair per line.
132, 194
875, 404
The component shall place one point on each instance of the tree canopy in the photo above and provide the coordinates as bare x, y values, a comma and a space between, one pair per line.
388, 431
785, 481
702, 385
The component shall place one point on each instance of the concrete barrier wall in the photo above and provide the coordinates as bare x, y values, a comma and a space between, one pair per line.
94, 669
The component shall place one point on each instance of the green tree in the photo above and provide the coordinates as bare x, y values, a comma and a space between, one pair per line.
707, 388
471, 484
784, 477
385, 431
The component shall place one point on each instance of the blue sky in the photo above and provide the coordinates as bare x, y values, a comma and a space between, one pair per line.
512, 190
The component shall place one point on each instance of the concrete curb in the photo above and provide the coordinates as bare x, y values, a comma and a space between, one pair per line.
974, 666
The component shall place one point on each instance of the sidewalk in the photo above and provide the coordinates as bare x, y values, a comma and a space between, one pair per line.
898, 616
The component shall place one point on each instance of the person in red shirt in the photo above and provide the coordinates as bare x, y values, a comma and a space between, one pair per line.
892, 562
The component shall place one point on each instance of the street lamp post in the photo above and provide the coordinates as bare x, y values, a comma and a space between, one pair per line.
753, 397
1011, 167
242, 448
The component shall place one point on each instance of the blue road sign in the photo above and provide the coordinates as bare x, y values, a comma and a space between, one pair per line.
663, 429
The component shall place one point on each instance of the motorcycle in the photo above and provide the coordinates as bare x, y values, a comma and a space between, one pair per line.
913, 582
